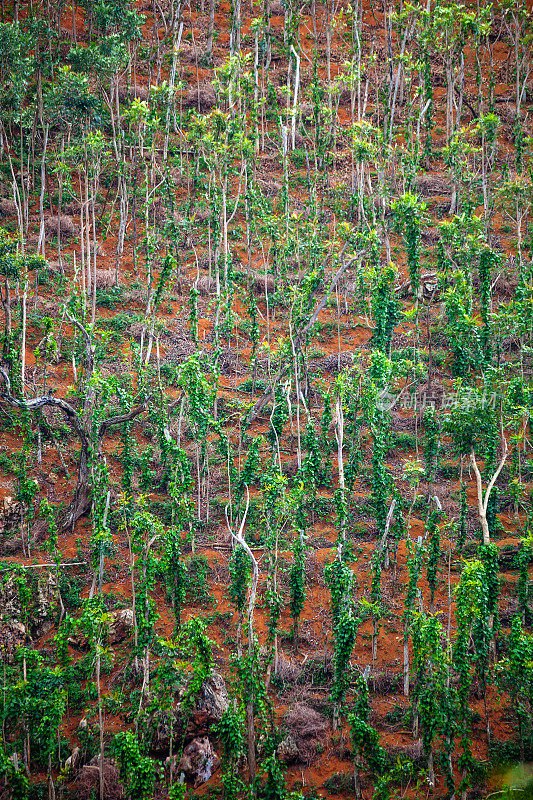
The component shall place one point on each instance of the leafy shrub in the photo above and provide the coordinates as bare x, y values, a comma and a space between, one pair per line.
6, 463
197, 571
298, 157
247, 386
122, 320
110, 296
339, 783
70, 587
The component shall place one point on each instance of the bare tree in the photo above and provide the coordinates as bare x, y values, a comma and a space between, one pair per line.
82, 422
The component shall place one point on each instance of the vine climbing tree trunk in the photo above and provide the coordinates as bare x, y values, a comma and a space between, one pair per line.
250, 726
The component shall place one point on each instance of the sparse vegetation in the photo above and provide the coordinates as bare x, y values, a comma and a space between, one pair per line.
266, 277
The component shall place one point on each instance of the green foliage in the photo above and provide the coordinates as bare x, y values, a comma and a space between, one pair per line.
524, 556
463, 512
367, 749
13, 776
514, 675
472, 616
434, 695
297, 577
280, 415
195, 574
431, 443
74, 131
471, 423
251, 468
239, 567
488, 260
122, 320
433, 548
175, 571
340, 580
193, 314
35, 705
339, 577
414, 565
197, 644
168, 266
408, 215
463, 331
230, 731
274, 787
385, 309
138, 771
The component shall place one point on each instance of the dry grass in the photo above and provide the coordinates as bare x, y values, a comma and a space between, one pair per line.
61, 224
288, 670
105, 278
202, 97
308, 728
7, 207
87, 782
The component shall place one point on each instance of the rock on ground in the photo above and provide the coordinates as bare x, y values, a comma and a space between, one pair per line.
208, 707
197, 763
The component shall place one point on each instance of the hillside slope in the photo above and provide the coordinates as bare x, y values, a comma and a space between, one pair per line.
265, 464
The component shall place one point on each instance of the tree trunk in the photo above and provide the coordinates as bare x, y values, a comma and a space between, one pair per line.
250, 730
82, 500
210, 28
